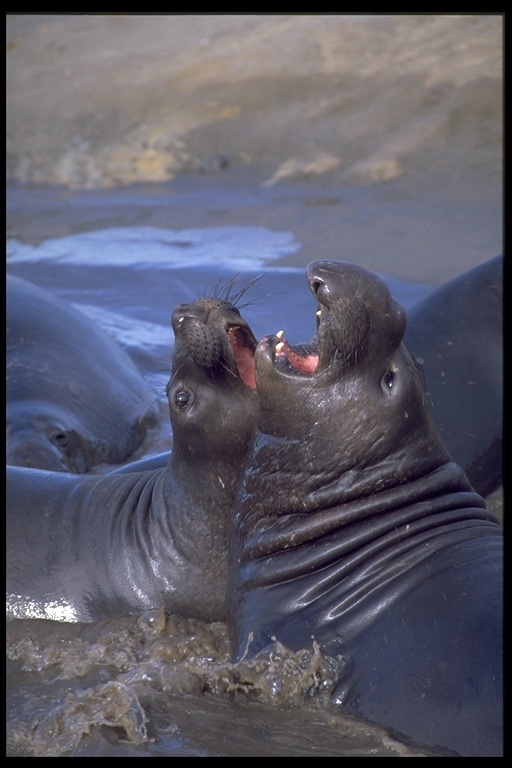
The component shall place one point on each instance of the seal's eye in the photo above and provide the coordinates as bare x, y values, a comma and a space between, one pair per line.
182, 398
60, 439
388, 380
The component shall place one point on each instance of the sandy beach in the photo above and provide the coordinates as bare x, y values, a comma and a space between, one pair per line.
108, 100
152, 159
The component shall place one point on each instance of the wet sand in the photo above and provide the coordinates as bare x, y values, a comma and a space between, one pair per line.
101, 101
371, 137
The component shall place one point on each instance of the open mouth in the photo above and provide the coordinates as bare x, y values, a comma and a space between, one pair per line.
243, 346
216, 338
298, 359
204, 327
309, 359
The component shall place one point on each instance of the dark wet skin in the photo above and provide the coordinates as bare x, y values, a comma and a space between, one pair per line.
353, 526
74, 398
456, 335
457, 332
217, 338
82, 548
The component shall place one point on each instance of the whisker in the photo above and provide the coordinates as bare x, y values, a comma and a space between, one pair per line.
159, 398
157, 372
235, 299
254, 302
174, 373
158, 391
219, 290
223, 364
224, 291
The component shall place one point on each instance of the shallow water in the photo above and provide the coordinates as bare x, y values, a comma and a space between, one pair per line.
165, 687
155, 686
281, 139
130, 278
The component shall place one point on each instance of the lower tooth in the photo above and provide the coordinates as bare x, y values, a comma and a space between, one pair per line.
280, 334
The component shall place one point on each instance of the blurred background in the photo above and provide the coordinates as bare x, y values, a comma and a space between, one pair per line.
375, 139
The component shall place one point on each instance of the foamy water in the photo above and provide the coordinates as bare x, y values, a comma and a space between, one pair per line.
122, 699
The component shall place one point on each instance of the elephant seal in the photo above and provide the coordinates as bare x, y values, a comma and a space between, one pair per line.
454, 326
75, 399
85, 547
456, 332
353, 528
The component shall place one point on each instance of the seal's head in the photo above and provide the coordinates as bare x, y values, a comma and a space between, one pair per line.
211, 393
46, 435
354, 398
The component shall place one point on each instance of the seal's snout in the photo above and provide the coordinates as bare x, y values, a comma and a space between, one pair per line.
178, 316
330, 280
198, 312
212, 334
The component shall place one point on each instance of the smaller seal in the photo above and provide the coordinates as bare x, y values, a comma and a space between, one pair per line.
353, 528
75, 399
85, 547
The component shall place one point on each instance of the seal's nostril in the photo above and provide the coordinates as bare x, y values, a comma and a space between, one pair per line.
316, 285
315, 272
321, 292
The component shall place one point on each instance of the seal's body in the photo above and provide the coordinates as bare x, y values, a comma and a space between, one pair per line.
75, 399
354, 527
83, 547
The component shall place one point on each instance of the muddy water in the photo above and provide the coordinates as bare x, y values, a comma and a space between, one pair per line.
155, 685
187, 150
161, 686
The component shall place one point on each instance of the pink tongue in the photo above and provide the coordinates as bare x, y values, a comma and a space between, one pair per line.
244, 359
245, 362
307, 364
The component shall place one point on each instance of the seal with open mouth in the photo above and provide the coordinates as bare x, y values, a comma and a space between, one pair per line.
456, 334
82, 547
354, 528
